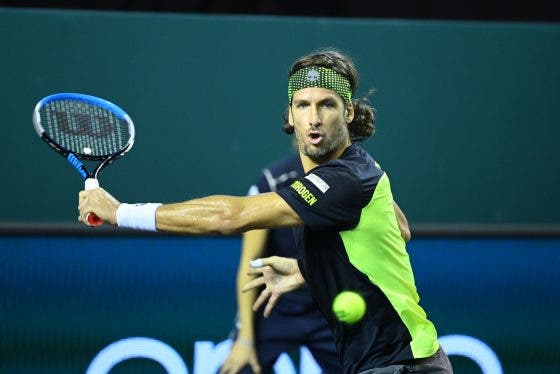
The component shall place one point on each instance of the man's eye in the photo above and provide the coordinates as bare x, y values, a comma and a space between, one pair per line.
302, 105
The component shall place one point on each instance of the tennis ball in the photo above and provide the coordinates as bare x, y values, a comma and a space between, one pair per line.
349, 307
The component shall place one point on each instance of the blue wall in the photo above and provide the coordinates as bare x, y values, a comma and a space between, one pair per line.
65, 298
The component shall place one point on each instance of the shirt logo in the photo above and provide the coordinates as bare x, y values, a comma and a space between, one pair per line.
312, 75
304, 193
318, 182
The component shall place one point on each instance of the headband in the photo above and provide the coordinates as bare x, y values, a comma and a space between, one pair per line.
318, 76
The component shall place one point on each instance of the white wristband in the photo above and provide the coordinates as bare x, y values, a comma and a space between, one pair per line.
138, 216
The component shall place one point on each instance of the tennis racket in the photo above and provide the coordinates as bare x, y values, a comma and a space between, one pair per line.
83, 127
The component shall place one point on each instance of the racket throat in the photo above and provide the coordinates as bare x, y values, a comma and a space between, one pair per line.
77, 164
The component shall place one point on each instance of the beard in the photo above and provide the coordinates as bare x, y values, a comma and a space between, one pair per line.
330, 144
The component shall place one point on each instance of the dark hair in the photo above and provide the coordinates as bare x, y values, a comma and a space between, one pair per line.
363, 124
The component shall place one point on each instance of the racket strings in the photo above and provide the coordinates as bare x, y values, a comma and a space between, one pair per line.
84, 128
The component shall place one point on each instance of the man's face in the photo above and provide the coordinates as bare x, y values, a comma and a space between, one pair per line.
320, 119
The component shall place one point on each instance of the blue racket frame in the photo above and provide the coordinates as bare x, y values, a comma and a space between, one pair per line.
73, 158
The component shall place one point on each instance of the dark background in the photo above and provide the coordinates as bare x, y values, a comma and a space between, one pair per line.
467, 111
546, 11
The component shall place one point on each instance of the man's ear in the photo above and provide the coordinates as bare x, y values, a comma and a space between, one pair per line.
349, 113
290, 117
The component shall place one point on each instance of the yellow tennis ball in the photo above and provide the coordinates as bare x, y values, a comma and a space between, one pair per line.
349, 307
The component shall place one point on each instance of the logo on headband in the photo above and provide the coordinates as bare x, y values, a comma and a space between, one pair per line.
313, 75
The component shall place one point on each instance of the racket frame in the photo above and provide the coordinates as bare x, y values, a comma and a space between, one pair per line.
75, 158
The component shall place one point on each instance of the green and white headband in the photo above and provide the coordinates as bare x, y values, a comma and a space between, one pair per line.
318, 76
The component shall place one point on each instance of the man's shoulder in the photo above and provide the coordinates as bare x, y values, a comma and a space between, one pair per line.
354, 171
355, 160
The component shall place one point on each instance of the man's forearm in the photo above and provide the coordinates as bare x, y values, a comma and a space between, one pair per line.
207, 216
226, 215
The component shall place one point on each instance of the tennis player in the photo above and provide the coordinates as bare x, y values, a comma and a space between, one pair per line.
343, 214
259, 341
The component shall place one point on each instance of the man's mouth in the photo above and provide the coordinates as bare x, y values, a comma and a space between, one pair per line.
315, 137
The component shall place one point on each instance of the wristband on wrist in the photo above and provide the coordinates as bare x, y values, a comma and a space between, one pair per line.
138, 216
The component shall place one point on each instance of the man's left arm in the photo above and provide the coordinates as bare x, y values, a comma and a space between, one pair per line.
402, 222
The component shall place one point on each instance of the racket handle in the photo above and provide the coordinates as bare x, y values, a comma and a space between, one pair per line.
91, 184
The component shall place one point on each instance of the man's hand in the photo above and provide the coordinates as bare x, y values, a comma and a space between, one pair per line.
279, 275
99, 202
240, 356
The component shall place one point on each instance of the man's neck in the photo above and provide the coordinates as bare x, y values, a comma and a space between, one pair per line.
309, 164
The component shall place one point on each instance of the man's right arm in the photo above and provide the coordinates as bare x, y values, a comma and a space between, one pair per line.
205, 216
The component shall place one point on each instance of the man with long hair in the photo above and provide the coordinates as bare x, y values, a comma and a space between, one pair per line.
346, 224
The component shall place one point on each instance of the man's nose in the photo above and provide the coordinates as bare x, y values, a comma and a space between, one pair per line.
314, 117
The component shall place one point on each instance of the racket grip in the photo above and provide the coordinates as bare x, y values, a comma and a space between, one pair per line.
91, 184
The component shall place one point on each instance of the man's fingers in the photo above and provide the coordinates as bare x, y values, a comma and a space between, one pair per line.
232, 366
270, 305
83, 197
259, 270
228, 368
257, 282
254, 271
265, 294
280, 265
83, 214
262, 262
258, 263
255, 366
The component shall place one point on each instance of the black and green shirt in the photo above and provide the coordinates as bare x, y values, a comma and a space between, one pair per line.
351, 241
